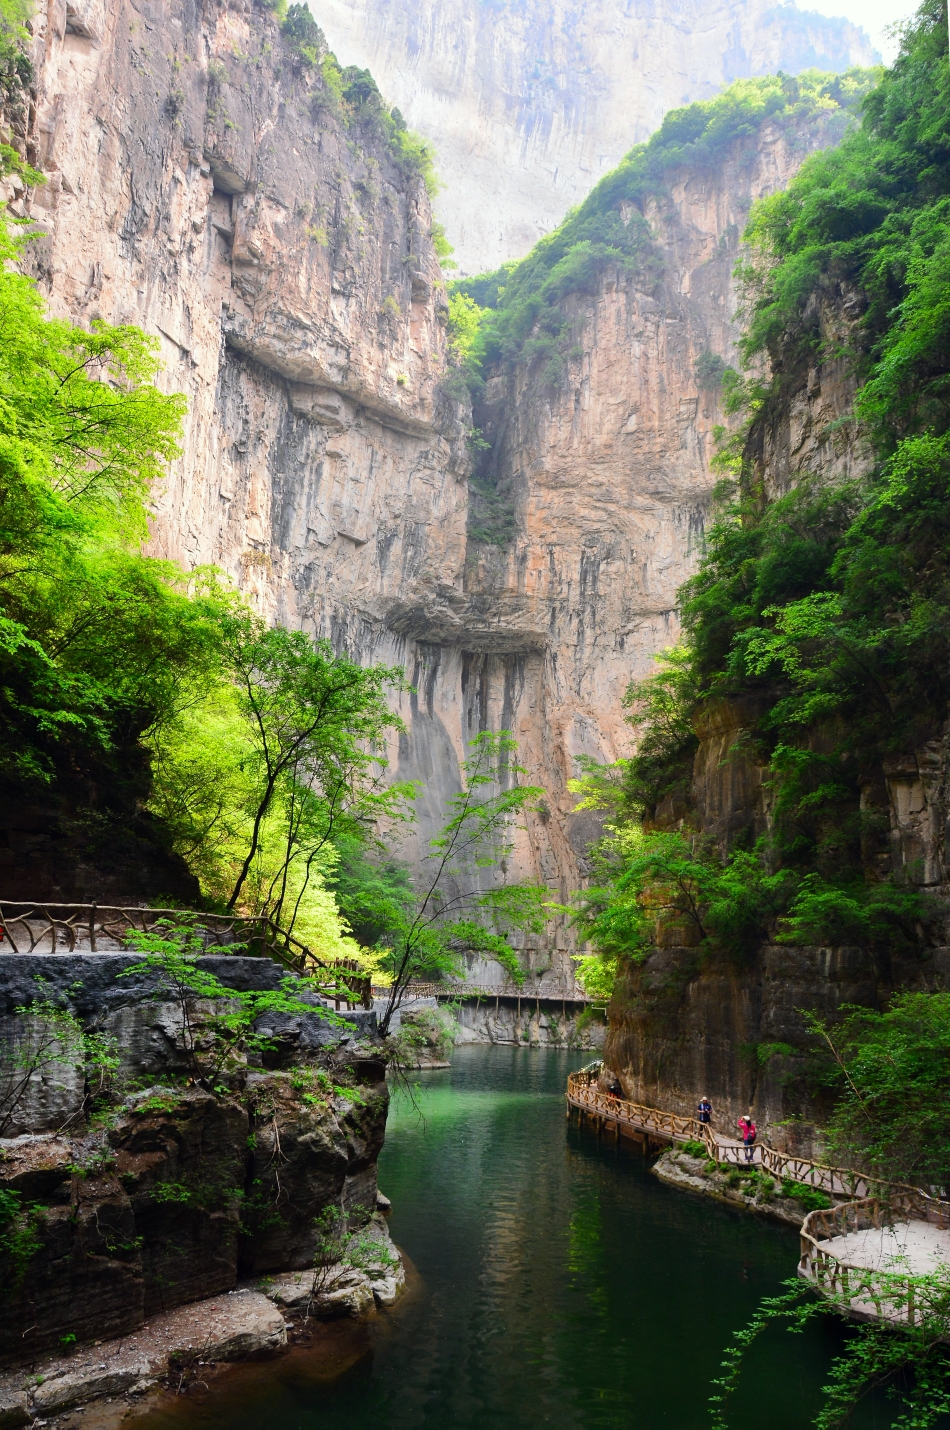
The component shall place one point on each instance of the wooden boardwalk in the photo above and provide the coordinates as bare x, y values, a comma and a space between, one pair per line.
882, 1255
617, 1116
881, 1258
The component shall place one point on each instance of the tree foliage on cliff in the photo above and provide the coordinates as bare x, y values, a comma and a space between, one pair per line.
523, 318
823, 615
91, 634
463, 903
262, 741
353, 94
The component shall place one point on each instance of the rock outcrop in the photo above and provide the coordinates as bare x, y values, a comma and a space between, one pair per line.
171, 1190
682, 1024
528, 105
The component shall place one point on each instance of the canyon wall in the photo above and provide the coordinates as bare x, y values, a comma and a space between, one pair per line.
528, 102
205, 184
685, 1023
606, 471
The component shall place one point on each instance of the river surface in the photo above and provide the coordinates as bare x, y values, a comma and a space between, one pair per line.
555, 1282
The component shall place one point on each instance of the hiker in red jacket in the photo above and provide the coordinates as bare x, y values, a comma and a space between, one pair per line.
747, 1133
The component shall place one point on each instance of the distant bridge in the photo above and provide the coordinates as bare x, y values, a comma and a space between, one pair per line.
490, 993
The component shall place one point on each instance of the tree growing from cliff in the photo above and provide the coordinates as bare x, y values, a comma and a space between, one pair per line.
316, 723
274, 766
95, 639
45, 1036
450, 914
891, 1071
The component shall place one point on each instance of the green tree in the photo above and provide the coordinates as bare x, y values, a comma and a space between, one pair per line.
891, 1070
45, 1036
316, 723
94, 638
451, 914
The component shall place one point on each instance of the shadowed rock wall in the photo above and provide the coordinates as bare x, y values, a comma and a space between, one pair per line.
682, 1025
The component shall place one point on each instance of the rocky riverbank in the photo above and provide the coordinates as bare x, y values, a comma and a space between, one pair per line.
181, 1347
162, 1174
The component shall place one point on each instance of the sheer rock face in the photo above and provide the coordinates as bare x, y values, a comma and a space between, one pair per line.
202, 185
607, 472
529, 104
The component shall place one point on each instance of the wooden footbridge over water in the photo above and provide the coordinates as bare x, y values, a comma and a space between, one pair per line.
882, 1253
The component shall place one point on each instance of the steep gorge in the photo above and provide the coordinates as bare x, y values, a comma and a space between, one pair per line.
204, 184
805, 768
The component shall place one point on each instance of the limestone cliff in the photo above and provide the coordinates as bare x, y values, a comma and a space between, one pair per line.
684, 1023
529, 104
204, 184
606, 473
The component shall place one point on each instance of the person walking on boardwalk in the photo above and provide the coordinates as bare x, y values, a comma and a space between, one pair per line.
747, 1133
705, 1110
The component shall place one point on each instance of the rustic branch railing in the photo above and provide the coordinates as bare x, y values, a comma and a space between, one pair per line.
28, 926
584, 1094
873, 1293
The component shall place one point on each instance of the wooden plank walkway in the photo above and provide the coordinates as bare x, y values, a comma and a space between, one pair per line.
649, 1124
838, 1256
881, 1258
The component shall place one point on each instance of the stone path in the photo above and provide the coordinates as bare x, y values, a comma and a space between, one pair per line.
910, 1248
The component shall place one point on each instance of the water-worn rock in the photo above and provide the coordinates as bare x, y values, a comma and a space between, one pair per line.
150, 1208
181, 1157
67, 1390
694, 1175
313, 1148
14, 1409
238, 1325
373, 1271
347, 1292
244, 1325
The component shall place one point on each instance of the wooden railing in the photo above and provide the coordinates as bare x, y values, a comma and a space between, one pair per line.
868, 1292
485, 992
31, 927
583, 1093
874, 1292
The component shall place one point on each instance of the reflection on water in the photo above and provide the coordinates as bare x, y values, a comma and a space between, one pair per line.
557, 1283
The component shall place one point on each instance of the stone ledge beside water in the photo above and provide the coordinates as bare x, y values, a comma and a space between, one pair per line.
248, 1323
680, 1170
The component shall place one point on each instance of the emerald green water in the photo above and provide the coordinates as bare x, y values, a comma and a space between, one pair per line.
557, 1283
